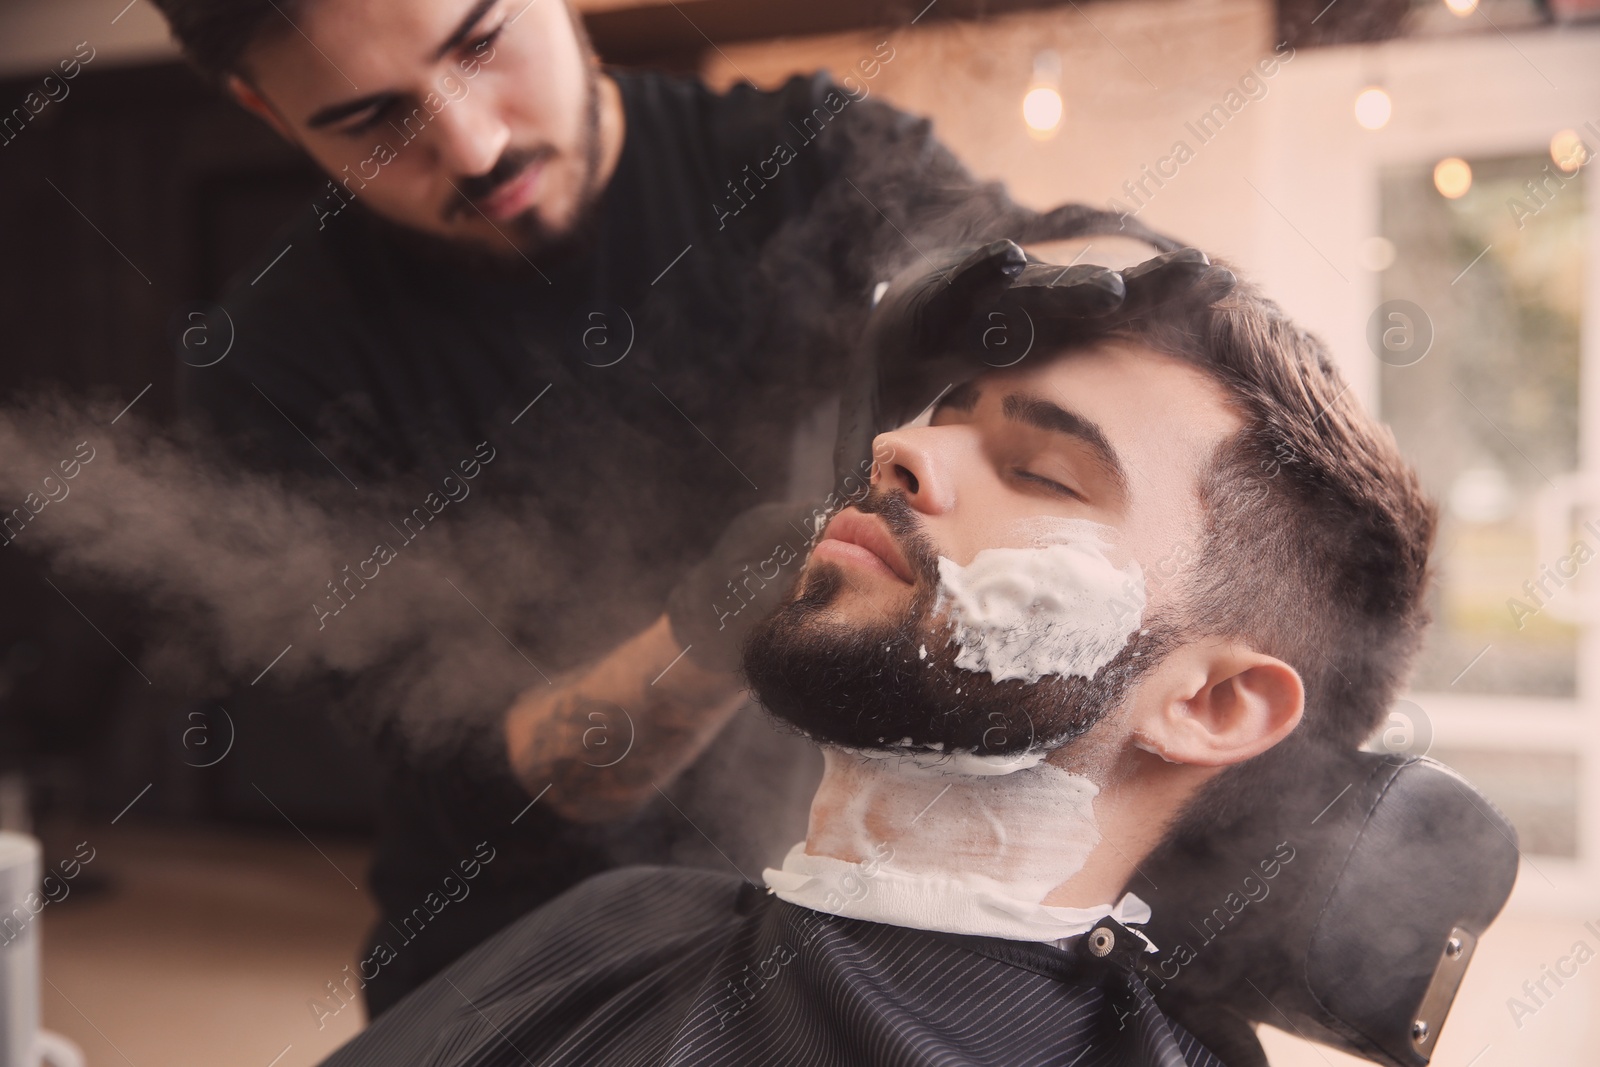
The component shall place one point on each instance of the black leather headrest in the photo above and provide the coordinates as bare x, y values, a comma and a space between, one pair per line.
1345, 909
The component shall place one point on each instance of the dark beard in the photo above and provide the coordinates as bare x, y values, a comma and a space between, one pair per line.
542, 244
869, 687
528, 241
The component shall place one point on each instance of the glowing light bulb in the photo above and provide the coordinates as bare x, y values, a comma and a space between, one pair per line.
1042, 109
1461, 8
1042, 105
1568, 151
1452, 177
1373, 108
1377, 254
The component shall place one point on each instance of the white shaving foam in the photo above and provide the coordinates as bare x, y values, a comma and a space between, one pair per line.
938, 850
1019, 834
1062, 608
968, 764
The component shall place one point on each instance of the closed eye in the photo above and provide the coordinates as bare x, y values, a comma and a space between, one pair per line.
1049, 484
375, 115
478, 44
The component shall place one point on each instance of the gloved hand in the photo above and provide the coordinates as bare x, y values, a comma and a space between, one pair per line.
752, 565
973, 311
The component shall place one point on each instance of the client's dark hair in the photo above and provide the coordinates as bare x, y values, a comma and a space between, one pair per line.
1317, 531
215, 34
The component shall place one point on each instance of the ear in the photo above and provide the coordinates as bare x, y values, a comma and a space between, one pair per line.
1217, 703
249, 98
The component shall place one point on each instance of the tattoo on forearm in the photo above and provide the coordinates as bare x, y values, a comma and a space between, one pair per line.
601, 759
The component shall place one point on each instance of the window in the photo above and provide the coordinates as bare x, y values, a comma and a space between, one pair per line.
1489, 413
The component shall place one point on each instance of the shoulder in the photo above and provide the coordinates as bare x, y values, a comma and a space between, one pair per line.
599, 959
639, 904
308, 260
741, 108
835, 117
286, 315
607, 931
744, 124
606, 924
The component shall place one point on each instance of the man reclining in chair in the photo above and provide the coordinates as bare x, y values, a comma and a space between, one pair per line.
1082, 592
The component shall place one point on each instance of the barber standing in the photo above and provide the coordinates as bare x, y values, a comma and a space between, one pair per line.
632, 291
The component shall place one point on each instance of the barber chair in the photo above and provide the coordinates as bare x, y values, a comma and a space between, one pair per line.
1361, 940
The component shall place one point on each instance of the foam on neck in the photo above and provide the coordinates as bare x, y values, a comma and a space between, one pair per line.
1018, 833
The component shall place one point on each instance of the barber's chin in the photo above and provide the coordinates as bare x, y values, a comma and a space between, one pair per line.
848, 587
510, 242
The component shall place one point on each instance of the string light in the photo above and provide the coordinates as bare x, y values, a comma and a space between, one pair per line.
1377, 254
1373, 107
1568, 151
1452, 177
1461, 8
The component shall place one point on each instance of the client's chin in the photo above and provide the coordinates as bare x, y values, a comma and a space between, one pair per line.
894, 683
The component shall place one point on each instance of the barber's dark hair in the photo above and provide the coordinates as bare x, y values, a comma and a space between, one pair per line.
214, 34
1317, 531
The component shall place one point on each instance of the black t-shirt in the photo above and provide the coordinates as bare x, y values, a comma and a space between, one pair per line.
636, 395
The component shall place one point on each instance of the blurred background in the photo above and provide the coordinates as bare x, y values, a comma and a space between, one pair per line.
1410, 180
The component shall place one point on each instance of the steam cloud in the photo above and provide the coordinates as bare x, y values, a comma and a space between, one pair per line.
236, 567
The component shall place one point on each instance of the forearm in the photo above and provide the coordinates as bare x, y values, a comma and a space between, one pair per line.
605, 736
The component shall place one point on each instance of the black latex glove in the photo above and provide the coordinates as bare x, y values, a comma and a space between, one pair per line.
972, 311
752, 565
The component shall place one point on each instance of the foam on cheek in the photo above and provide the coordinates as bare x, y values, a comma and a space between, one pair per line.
1060, 607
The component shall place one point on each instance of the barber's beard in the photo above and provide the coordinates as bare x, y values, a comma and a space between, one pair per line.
526, 237
533, 236
871, 685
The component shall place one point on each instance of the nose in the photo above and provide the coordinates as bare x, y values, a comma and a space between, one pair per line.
920, 462
469, 136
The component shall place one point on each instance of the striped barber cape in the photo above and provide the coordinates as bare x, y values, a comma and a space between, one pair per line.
674, 966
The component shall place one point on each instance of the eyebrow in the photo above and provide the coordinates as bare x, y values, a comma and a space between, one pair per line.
466, 26
1046, 415
335, 112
